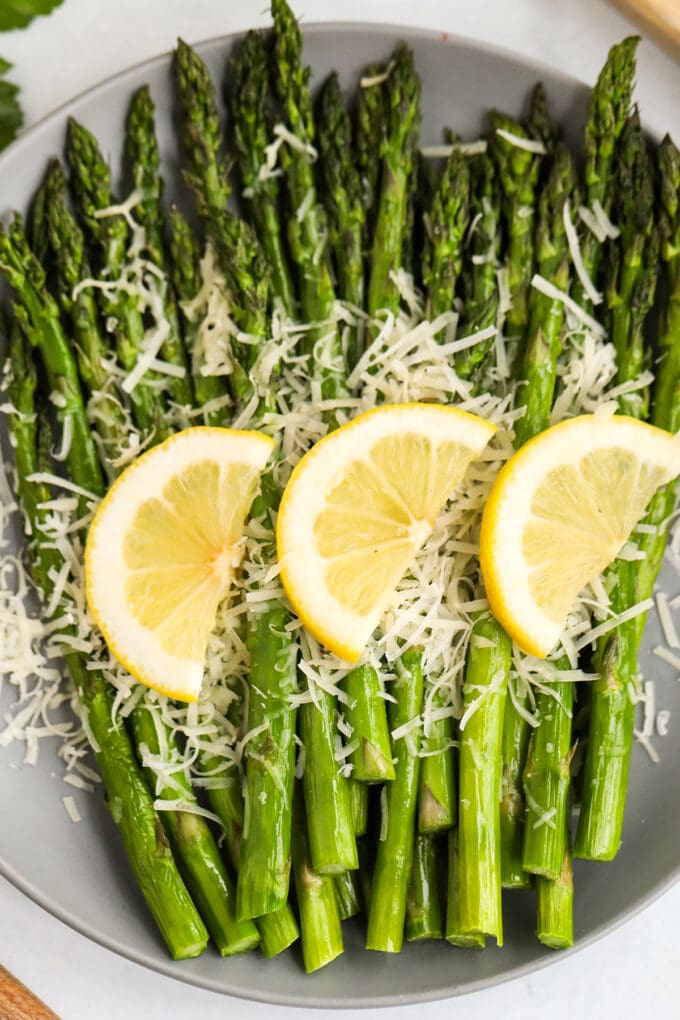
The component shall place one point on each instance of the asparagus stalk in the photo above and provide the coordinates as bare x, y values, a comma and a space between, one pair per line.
453, 931
547, 779
277, 929
546, 316
447, 222
330, 824
530, 841
539, 123
240, 254
41, 322
666, 397
480, 288
554, 903
370, 126
328, 808
365, 712
109, 235
423, 905
251, 123
265, 849
387, 909
612, 711
207, 173
344, 208
518, 171
437, 803
144, 160
398, 152
348, 894
264, 870
131, 805
194, 844
185, 273
307, 227
607, 113
358, 795
479, 846
67, 246
317, 904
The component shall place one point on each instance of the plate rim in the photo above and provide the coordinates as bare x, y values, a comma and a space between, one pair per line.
168, 967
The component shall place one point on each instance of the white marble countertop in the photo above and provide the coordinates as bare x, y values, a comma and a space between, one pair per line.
634, 970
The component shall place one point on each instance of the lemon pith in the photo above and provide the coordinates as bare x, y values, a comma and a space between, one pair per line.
359, 505
559, 513
162, 549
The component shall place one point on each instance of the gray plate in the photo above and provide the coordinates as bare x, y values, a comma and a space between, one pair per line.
78, 872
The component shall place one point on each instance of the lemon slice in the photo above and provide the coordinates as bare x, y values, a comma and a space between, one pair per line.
162, 550
359, 505
559, 513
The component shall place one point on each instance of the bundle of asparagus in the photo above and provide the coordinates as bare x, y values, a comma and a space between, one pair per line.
137, 322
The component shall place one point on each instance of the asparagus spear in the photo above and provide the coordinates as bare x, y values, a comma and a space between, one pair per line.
632, 274
327, 798
144, 160
131, 805
41, 321
607, 113
326, 791
277, 929
539, 123
249, 96
365, 711
358, 795
348, 894
319, 914
397, 151
666, 396
554, 903
307, 227
67, 245
479, 843
447, 222
184, 270
193, 842
344, 209
612, 714
370, 125
423, 905
453, 932
518, 171
534, 844
480, 291
387, 909
546, 316
108, 234
207, 173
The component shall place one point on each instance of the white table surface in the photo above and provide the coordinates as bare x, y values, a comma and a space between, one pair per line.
633, 971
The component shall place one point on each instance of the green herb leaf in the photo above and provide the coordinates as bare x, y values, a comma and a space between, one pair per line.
11, 117
18, 13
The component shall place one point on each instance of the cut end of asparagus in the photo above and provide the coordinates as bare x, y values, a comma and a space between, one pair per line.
432, 815
375, 766
467, 941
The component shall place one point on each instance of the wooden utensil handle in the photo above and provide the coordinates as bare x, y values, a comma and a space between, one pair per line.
17, 1003
661, 18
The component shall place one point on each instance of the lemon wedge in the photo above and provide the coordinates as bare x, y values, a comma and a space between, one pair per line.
358, 507
560, 511
162, 550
